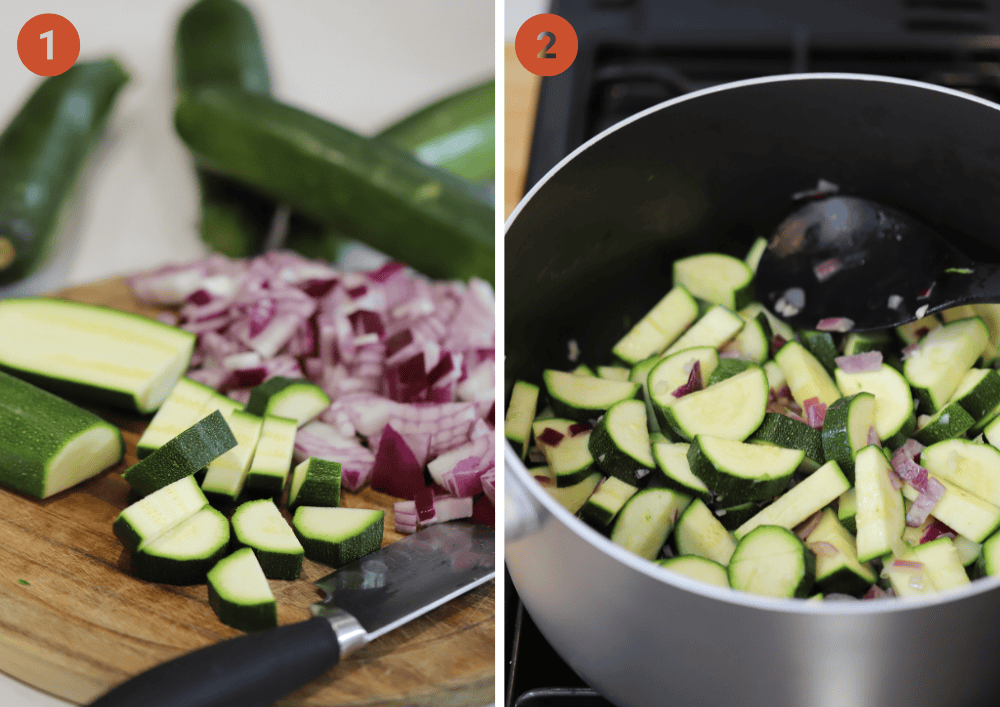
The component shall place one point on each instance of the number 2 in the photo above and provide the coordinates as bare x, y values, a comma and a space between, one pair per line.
545, 54
47, 36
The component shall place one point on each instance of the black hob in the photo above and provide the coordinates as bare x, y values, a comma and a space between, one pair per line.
634, 54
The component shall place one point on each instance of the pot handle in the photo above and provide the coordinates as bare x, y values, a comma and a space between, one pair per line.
523, 514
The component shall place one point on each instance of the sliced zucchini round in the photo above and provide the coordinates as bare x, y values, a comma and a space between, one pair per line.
845, 429
840, 572
645, 522
239, 594
942, 360
185, 554
949, 422
739, 472
717, 278
772, 561
784, 431
569, 457
337, 536
698, 568
260, 526
732, 409
894, 416
675, 472
880, 517
584, 398
620, 442
973, 466
699, 532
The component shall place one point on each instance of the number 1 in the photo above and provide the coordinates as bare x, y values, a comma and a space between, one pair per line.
47, 36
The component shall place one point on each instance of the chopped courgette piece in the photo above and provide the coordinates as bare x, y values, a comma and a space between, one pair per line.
568, 455
880, 517
717, 326
839, 571
784, 431
239, 594
975, 467
585, 398
93, 352
727, 368
753, 255
572, 497
949, 422
620, 442
228, 473
979, 392
188, 452
150, 517
894, 416
802, 500
606, 501
847, 510
315, 482
645, 522
179, 411
699, 532
942, 359
259, 525
675, 472
805, 375
845, 429
739, 472
337, 536
964, 512
520, 415
772, 561
185, 554
294, 398
716, 277
821, 345
698, 568
47, 444
732, 409
658, 328
272, 459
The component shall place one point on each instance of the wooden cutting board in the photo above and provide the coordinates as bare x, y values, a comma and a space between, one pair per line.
73, 622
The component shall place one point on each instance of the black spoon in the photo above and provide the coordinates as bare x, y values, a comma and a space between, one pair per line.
849, 264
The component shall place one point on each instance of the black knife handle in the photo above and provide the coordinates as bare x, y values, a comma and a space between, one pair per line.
252, 670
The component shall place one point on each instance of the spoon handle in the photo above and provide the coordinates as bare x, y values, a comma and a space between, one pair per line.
979, 283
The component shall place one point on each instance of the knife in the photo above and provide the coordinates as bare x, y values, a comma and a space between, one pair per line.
364, 600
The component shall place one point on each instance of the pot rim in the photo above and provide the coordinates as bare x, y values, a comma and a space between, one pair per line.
513, 463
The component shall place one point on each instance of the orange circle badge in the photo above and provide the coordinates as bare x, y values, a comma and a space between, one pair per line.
546, 45
48, 44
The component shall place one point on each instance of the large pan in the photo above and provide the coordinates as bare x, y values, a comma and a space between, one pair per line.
591, 245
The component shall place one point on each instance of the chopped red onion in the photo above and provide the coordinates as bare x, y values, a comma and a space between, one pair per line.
815, 413
936, 530
827, 269
910, 350
806, 527
777, 342
488, 480
579, 428
867, 362
169, 285
925, 503
550, 437
873, 437
693, 382
396, 471
926, 292
875, 592
908, 564
823, 549
838, 324
894, 480
908, 470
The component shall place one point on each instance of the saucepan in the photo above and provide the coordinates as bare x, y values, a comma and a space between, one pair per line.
590, 249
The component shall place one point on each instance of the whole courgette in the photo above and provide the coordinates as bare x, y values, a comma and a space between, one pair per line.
218, 42
413, 212
41, 154
456, 133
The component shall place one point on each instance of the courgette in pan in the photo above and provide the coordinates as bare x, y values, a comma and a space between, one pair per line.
414, 213
48, 444
41, 154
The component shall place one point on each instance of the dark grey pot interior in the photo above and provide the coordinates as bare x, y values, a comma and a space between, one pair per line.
590, 250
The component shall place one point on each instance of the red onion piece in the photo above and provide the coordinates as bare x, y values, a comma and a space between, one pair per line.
911, 472
867, 362
579, 428
396, 470
908, 564
875, 592
827, 269
804, 528
483, 510
488, 479
693, 382
821, 548
423, 500
838, 324
894, 480
550, 437
936, 530
909, 350
815, 413
169, 285
790, 413
912, 448
873, 437
924, 503
387, 272
777, 342
318, 439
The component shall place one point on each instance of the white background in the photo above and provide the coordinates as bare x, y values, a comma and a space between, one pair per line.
361, 63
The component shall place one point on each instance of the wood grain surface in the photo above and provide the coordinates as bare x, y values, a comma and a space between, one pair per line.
74, 622
520, 100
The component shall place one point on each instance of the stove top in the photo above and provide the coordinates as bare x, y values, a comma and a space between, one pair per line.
634, 54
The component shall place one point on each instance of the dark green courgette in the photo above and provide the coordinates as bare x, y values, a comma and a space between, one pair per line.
455, 133
386, 198
41, 154
218, 43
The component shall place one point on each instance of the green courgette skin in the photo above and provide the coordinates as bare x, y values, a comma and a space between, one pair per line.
415, 213
456, 133
34, 427
218, 42
41, 154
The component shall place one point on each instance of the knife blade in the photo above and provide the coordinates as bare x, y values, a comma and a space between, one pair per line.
364, 600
